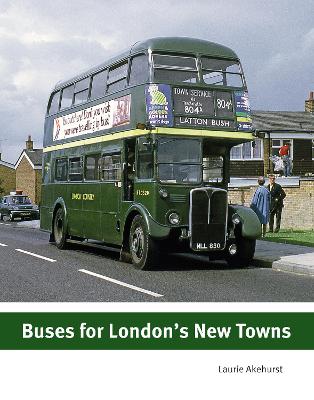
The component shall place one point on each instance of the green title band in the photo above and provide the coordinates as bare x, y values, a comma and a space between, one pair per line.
157, 331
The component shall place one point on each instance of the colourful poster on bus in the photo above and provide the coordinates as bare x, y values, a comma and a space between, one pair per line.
159, 105
100, 117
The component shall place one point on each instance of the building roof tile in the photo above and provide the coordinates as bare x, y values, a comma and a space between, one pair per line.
35, 156
283, 120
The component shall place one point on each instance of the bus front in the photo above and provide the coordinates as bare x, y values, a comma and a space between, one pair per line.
197, 109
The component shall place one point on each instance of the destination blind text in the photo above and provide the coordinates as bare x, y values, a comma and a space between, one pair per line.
205, 122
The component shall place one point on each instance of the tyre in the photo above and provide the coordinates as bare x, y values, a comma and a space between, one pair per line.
59, 229
11, 218
244, 254
1, 217
143, 249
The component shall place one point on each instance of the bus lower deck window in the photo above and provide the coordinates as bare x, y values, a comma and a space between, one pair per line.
92, 167
75, 169
61, 169
111, 169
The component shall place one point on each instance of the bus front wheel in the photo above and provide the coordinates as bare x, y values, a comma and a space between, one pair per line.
59, 229
142, 247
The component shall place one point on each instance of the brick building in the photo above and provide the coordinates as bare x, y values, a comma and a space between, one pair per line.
298, 212
29, 171
280, 127
7, 177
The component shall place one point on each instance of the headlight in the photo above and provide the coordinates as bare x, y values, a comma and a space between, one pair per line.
236, 219
35, 207
163, 193
174, 218
13, 208
232, 249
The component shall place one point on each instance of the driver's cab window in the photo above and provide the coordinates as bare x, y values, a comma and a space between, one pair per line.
213, 164
213, 168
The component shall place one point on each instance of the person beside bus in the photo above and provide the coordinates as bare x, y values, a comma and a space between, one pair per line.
261, 203
284, 153
277, 194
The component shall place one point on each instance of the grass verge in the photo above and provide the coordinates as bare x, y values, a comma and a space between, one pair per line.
302, 238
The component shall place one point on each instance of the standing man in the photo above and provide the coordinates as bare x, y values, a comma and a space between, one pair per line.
277, 194
260, 204
284, 153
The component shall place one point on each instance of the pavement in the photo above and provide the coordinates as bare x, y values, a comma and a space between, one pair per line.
284, 257
278, 256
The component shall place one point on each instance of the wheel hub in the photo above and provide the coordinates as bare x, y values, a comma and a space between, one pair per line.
138, 242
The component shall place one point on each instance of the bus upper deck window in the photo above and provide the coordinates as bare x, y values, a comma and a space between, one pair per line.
98, 85
54, 103
169, 75
81, 91
67, 97
162, 60
117, 77
221, 72
139, 70
171, 68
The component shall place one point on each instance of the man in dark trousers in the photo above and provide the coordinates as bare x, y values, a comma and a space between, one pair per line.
277, 194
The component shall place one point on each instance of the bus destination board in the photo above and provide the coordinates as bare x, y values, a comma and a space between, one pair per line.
193, 101
202, 122
203, 108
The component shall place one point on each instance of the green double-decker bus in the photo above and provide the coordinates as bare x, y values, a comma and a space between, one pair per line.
136, 154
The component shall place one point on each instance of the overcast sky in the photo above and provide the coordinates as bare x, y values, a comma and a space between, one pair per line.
42, 42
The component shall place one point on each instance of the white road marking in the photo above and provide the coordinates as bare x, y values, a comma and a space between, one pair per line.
3, 245
106, 278
36, 255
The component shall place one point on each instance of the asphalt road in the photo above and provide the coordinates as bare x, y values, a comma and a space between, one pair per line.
32, 270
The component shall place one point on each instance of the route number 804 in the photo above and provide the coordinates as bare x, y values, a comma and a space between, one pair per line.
221, 103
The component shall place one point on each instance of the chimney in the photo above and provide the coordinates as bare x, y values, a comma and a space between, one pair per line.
309, 104
29, 143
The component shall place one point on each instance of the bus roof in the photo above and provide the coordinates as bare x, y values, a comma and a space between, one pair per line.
182, 45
